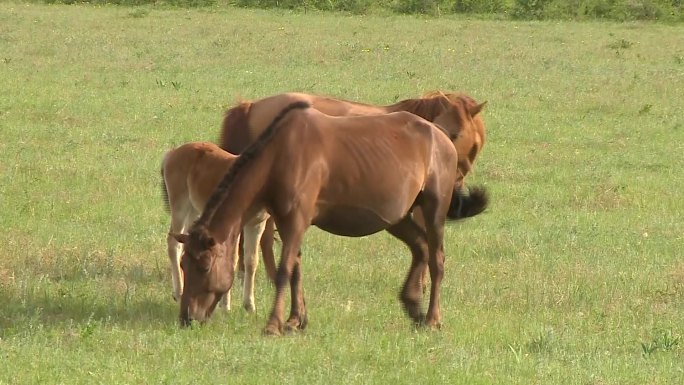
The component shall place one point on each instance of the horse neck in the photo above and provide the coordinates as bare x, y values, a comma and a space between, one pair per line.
425, 108
243, 194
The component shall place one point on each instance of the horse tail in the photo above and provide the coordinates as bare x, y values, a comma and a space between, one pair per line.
165, 193
252, 151
235, 135
468, 204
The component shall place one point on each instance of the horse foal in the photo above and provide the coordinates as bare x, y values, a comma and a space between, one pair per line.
190, 174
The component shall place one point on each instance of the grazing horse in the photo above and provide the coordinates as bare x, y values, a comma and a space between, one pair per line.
190, 174
458, 114
350, 176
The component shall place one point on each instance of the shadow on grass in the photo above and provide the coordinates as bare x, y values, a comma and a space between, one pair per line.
128, 299
45, 297
50, 312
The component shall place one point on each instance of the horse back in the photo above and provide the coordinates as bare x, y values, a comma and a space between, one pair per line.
244, 123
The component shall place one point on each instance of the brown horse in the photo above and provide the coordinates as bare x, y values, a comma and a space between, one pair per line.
458, 114
350, 176
190, 174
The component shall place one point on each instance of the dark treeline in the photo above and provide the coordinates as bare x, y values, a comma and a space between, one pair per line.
621, 10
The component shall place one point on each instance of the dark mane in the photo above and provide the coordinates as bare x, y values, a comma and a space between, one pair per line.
426, 108
245, 158
432, 104
469, 104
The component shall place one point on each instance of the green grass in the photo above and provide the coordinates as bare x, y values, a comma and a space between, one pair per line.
573, 276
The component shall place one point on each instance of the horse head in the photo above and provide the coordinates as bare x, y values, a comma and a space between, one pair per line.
459, 116
208, 270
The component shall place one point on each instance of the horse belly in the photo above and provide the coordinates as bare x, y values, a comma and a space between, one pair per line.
351, 221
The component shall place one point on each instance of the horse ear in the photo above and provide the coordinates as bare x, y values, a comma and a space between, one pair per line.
182, 238
474, 110
246, 106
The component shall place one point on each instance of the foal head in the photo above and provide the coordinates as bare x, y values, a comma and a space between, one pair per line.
208, 269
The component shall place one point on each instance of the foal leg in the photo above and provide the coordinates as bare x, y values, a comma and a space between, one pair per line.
224, 302
175, 250
180, 218
267, 249
240, 261
411, 294
252, 232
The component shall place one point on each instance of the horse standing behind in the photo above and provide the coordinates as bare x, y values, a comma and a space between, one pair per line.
190, 174
350, 176
458, 114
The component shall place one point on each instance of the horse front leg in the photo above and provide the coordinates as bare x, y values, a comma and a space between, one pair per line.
298, 319
291, 232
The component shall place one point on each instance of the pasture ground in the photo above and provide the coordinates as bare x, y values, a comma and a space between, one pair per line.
574, 275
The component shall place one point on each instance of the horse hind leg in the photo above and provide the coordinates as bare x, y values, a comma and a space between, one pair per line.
435, 216
418, 218
411, 294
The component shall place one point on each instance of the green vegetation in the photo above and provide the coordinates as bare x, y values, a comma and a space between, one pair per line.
573, 276
621, 10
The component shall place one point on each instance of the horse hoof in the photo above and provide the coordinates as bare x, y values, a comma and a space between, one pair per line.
303, 322
432, 325
250, 308
419, 319
293, 326
272, 330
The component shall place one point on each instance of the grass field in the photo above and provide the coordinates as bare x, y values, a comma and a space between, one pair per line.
574, 275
